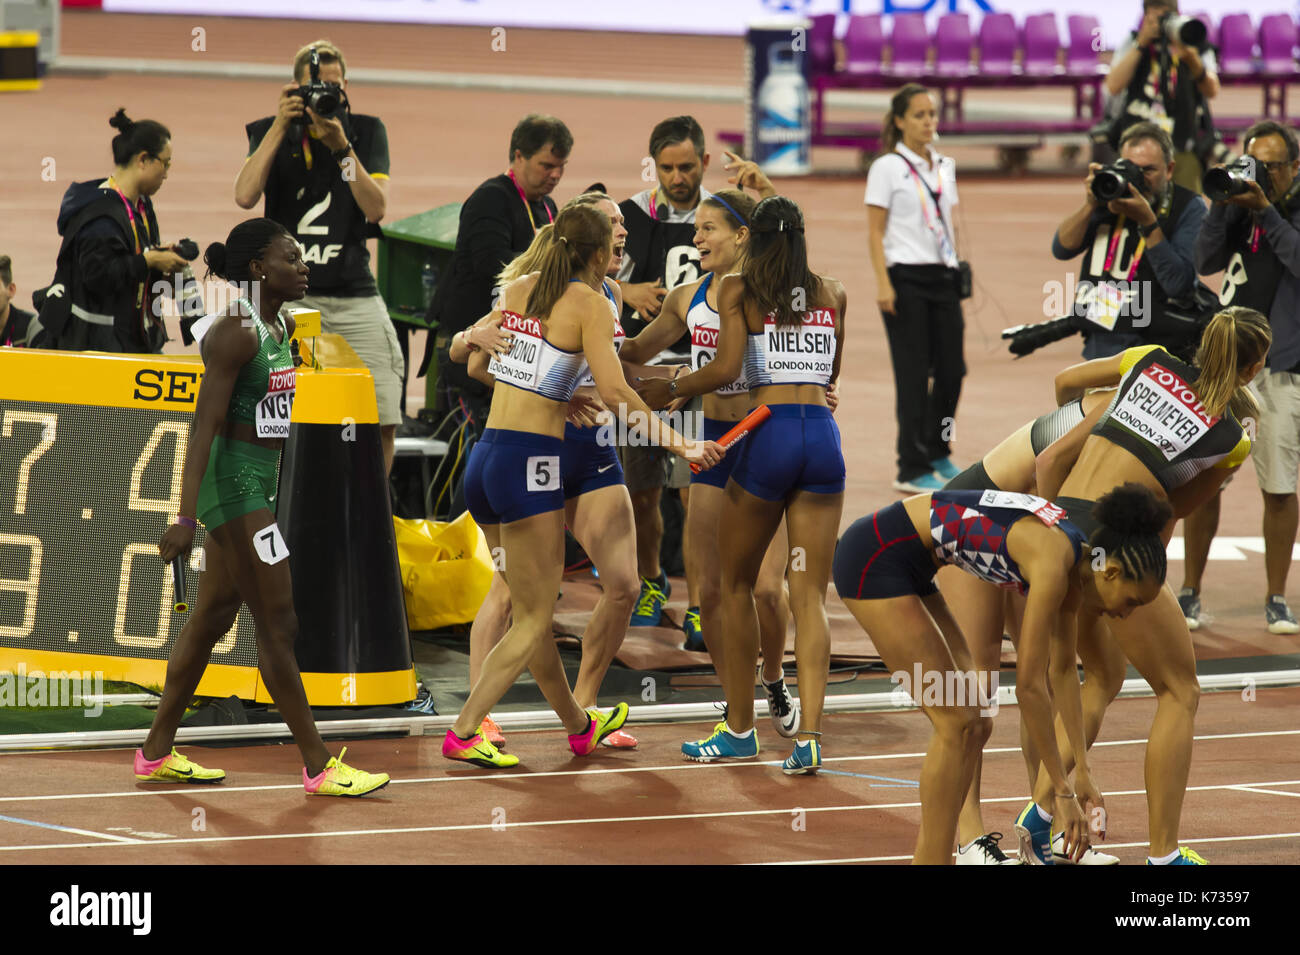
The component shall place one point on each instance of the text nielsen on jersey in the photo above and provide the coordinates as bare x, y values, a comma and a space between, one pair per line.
808, 348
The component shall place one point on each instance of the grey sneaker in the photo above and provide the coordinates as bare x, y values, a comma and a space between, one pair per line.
1279, 616
1190, 602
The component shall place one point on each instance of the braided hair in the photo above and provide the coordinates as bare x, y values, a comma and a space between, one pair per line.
1131, 519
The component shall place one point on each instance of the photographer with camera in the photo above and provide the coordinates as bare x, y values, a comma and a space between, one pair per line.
1252, 233
112, 260
324, 171
1137, 231
1165, 74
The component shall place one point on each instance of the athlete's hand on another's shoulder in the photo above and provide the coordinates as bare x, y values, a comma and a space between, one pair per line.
489, 337
176, 540
704, 453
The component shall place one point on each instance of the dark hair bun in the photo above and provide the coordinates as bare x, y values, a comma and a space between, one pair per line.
120, 121
215, 259
1132, 510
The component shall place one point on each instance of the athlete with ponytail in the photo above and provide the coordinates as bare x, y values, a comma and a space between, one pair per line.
559, 330
229, 484
884, 571
785, 325
722, 239
1171, 428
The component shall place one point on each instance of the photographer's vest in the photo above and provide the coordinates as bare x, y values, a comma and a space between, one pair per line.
1117, 285
661, 251
1254, 270
1165, 96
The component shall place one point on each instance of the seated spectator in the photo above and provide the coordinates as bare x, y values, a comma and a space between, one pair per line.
13, 320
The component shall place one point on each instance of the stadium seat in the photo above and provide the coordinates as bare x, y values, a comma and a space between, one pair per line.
1277, 41
821, 45
1042, 45
1236, 44
953, 44
864, 45
997, 45
1081, 54
909, 44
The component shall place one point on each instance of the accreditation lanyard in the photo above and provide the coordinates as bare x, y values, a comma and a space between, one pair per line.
130, 216
939, 232
550, 217
1156, 79
1114, 247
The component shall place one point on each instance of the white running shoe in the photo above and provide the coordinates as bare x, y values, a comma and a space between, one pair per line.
985, 851
1090, 856
782, 708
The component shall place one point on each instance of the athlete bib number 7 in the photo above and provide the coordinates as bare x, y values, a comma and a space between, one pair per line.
544, 473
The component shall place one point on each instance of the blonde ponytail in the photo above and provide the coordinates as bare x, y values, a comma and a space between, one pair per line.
1235, 339
578, 233
529, 260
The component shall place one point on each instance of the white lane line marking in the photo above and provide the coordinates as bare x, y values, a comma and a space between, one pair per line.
75, 832
685, 765
1267, 792
671, 817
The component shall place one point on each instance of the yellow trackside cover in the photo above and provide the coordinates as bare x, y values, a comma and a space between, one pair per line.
446, 570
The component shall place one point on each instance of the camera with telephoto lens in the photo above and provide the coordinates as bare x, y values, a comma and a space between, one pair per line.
324, 99
1188, 31
1233, 179
1112, 182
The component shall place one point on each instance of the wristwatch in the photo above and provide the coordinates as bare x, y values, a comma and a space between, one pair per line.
342, 154
672, 386
1146, 230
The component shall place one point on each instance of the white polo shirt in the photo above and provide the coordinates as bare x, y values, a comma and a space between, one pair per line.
891, 185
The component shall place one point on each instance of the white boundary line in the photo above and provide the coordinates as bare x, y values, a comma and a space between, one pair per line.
415, 725
670, 817
489, 777
1267, 792
15, 821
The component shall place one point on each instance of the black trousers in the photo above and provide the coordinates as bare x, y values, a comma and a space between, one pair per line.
926, 334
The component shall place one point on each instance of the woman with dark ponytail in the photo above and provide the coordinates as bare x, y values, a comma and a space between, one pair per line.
884, 571
229, 482
112, 255
784, 324
1176, 429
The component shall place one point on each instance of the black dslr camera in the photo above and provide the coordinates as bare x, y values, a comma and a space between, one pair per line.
326, 100
1233, 179
1188, 31
1112, 182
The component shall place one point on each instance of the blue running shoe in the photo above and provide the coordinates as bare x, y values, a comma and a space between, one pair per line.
691, 627
806, 758
1035, 836
1185, 856
650, 605
945, 468
921, 484
723, 744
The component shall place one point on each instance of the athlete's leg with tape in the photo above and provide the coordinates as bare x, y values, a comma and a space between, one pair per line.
493, 617
905, 632
813, 521
213, 614
1199, 528
268, 591
534, 566
706, 503
772, 603
602, 522
977, 608
1157, 642
751, 523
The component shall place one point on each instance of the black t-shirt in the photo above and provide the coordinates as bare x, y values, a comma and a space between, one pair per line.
13, 331
494, 228
306, 193
1251, 278
662, 252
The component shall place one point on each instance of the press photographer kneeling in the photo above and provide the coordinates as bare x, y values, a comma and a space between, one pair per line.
1252, 233
1136, 231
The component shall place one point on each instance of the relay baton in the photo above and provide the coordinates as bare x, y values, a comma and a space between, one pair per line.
178, 585
741, 428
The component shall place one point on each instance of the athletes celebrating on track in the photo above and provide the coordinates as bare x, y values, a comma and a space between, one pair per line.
884, 569
1170, 429
513, 485
229, 484
785, 324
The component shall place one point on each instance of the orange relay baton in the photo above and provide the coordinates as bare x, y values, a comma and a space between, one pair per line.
741, 428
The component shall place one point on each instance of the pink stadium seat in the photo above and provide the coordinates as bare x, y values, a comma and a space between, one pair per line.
1081, 54
909, 44
1236, 44
864, 45
1277, 41
821, 44
1042, 45
997, 45
953, 43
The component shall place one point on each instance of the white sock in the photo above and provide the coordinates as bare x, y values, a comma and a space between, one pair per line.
968, 846
1163, 860
740, 735
1046, 817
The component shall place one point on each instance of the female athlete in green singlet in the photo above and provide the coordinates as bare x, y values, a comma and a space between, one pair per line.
229, 483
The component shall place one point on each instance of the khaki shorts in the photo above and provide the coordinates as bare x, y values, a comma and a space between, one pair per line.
364, 324
1277, 443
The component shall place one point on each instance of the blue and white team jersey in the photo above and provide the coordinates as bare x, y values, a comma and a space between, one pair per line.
802, 354
534, 364
703, 323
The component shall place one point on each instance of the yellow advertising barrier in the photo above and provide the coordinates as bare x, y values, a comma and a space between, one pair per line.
446, 570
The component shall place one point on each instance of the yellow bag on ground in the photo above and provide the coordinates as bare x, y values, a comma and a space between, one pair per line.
446, 570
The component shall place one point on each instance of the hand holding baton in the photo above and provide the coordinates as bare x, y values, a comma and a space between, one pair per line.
179, 604
739, 430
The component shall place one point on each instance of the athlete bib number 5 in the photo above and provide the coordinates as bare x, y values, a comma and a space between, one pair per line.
274, 411
544, 472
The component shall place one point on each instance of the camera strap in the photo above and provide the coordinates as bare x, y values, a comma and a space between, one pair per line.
946, 245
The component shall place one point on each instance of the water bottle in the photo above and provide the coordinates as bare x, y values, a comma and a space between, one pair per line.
428, 283
783, 134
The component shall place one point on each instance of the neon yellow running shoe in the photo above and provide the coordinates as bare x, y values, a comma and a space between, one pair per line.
476, 750
174, 769
1185, 856
340, 779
